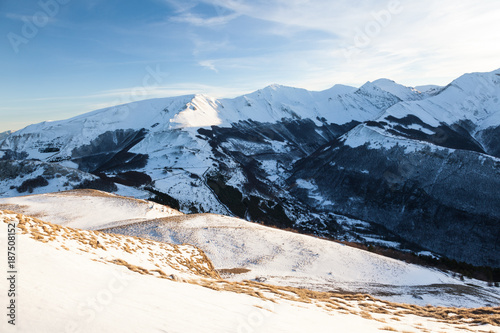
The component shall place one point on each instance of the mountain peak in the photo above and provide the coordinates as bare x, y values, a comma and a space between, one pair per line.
278, 88
384, 81
402, 92
274, 86
340, 89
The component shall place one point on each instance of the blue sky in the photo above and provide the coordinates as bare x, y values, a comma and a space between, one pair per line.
60, 58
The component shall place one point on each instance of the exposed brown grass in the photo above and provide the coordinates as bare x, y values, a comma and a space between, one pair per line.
133, 268
194, 261
10, 208
485, 315
239, 270
365, 315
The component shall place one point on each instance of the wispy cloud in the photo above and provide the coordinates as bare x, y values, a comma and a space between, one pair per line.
331, 16
180, 6
202, 21
208, 64
422, 40
131, 94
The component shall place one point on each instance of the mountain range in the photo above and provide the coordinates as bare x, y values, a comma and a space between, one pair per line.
409, 168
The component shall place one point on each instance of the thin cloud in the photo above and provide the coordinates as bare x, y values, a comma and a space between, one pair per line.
180, 6
199, 21
208, 64
427, 39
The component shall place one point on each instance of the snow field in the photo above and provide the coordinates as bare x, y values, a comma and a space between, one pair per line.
71, 291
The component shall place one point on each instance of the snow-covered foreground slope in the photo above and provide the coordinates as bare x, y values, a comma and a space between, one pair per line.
85, 281
244, 250
256, 252
87, 209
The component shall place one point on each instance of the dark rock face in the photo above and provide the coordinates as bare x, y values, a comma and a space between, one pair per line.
110, 151
303, 135
446, 201
129, 178
490, 138
28, 175
98, 184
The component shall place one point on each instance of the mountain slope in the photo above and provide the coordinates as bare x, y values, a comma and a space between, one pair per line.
75, 280
245, 251
257, 252
5, 134
445, 200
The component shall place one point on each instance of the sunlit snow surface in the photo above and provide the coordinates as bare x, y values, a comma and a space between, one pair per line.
72, 280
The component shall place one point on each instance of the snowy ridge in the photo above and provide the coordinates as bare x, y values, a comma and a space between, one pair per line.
398, 90
87, 209
375, 138
430, 89
340, 104
472, 97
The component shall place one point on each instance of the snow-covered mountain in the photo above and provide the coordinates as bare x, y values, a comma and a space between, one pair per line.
89, 280
427, 170
5, 134
411, 167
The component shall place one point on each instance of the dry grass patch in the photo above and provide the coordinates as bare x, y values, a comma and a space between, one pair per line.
133, 268
233, 270
366, 315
